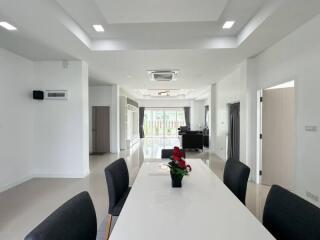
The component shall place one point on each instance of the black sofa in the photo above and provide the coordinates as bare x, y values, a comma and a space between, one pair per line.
192, 140
206, 137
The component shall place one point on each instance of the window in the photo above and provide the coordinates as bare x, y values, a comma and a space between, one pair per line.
163, 122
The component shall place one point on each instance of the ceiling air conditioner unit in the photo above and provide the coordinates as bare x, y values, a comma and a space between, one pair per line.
56, 94
163, 75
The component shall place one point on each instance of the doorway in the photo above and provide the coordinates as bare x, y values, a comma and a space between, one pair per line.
234, 132
278, 135
100, 130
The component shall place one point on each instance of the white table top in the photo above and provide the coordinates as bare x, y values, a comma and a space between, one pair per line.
202, 209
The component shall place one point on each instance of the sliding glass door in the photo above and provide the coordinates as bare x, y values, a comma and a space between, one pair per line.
163, 122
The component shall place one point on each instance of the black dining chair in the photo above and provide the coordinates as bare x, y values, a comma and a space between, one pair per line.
289, 217
235, 177
75, 219
167, 153
117, 177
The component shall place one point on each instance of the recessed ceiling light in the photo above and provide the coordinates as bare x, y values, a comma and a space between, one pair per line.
98, 28
8, 26
228, 24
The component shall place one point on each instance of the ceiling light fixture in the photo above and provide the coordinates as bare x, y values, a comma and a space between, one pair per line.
228, 24
98, 28
165, 93
8, 26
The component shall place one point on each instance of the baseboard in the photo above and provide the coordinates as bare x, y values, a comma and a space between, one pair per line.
60, 175
44, 175
15, 183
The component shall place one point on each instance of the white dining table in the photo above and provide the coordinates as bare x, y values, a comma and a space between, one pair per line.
203, 208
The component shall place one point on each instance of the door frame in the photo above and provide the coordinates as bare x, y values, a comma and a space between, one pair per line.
258, 139
259, 129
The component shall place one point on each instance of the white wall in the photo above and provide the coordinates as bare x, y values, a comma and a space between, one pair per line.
16, 122
98, 96
296, 57
61, 127
125, 93
42, 138
106, 96
206, 101
197, 113
230, 89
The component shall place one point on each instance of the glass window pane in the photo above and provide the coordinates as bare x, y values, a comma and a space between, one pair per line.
180, 118
171, 123
163, 122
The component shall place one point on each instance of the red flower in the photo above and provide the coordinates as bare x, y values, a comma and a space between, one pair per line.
178, 162
178, 153
176, 158
182, 164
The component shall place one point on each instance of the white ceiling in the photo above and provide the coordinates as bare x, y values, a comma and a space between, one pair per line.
153, 11
195, 66
163, 93
193, 22
199, 48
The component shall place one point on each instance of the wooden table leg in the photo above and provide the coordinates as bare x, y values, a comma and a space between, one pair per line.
108, 226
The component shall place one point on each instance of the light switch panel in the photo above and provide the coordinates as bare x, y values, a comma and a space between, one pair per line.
311, 128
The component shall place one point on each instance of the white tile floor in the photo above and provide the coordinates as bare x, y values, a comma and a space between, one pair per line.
24, 206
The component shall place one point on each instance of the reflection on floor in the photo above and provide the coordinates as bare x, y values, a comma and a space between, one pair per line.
25, 206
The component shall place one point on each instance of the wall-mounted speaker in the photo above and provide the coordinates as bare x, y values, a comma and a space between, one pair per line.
38, 95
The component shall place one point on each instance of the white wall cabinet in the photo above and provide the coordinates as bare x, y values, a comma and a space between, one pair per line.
129, 124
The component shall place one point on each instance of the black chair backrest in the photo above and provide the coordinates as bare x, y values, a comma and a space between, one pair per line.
167, 153
288, 216
235, 177
75, 219
117, 177
183, 129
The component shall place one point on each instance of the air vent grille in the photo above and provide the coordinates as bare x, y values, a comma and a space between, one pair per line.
163, 76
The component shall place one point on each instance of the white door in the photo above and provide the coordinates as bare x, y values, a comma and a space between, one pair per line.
278, 137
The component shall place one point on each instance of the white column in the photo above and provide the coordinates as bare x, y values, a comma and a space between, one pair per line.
192, 115
115, 120
252, 124
85, 117
212, 120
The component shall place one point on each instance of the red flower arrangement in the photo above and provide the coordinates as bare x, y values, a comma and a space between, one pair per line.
178, 165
